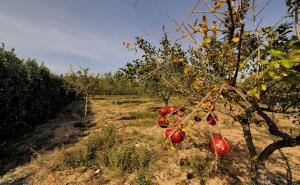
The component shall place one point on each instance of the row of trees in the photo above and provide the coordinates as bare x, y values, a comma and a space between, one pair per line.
256, 71
29, 94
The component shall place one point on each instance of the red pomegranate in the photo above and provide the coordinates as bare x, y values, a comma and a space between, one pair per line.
219, 143
177, 137
163, 111
163, 122
172, 109
212, 119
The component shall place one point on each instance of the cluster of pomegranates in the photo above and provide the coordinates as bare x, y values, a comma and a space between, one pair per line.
177, 135
174, 132
217, 144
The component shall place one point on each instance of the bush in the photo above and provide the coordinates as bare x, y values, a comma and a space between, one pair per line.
128, 158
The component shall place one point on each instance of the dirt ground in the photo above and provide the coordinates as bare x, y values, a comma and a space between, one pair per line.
29, 159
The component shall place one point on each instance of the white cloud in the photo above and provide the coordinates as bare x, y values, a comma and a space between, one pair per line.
27, 35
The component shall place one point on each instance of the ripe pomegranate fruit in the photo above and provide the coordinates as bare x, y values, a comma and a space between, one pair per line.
212, 119
163, 122
219, 143
172, 109
163, 111
177, 137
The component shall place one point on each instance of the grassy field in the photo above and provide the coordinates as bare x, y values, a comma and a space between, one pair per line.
121, 144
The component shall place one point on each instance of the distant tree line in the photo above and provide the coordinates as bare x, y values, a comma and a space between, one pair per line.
84, 82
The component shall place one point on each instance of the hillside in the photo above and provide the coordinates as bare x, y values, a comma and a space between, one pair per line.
121, 144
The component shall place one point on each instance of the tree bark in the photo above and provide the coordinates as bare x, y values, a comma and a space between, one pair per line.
258, 170
85, 106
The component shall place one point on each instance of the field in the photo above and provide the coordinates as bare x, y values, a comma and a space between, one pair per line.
121, 144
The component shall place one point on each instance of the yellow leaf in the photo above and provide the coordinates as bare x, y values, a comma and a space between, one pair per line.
257, 96
219, 5
214, 28
207, 41
172, 148
204, 19
254, 158
186, 71
202, 32
180, 60
236, 39
203, 26
263, 87
196, 86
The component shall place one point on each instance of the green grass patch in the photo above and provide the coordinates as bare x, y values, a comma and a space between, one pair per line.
86, 154
142, 123
140, 115
127, 158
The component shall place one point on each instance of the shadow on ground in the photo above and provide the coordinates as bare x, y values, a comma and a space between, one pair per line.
66, 128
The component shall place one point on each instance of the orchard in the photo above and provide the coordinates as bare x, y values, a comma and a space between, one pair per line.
233, 61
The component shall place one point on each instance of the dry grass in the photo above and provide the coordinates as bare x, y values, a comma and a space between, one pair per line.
122, 145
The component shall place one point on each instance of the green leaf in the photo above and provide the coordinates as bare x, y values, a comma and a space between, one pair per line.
277, 78
276, 53
263, 62
287, 64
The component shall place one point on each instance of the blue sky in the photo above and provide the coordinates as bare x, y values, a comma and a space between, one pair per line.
89, 33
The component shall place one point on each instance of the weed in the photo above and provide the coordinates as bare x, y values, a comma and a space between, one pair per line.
141, 180
128, 158
85, 155
200, 167
123, 159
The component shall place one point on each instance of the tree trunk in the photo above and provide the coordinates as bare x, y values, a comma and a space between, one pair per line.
85, 106
258, 170
117, 100
261, 173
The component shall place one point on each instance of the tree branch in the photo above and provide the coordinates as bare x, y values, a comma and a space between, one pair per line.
232, 27
273, 129
239, 56
277, 145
